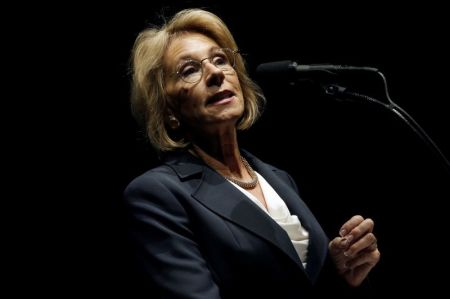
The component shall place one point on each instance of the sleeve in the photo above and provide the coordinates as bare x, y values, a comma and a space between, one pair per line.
288, 178
163, 243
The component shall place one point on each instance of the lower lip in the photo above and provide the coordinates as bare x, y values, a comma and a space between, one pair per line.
223, 101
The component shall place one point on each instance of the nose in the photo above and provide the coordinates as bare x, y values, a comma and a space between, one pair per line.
213, 74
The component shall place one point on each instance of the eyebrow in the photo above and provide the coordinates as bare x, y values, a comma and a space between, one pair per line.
189, 56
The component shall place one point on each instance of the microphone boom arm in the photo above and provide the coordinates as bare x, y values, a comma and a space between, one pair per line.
342, 92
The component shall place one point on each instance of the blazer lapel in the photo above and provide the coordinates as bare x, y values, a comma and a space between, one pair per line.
318, 242
218, 195
224, 199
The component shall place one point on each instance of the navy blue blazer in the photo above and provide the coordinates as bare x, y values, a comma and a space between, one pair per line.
197, 236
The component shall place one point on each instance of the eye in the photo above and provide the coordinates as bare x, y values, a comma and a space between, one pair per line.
220, 59
189, 68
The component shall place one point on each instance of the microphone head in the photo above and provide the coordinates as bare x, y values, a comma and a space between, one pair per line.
276, 68
288, 67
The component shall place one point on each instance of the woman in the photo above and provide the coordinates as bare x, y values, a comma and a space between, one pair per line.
214, 221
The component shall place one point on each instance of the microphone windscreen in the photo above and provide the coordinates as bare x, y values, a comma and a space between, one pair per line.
276, 67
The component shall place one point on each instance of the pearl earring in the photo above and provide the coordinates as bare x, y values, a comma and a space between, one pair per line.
174, 123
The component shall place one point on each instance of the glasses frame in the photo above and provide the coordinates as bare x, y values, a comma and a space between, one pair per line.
230, 53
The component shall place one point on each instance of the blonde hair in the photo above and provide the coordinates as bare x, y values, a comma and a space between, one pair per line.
149, 101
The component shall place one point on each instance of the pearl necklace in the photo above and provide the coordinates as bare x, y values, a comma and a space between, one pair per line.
246, 185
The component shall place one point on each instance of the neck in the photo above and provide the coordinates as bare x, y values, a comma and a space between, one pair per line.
245, 177
220, 150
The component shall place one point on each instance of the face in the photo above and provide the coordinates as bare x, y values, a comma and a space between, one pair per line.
214, 101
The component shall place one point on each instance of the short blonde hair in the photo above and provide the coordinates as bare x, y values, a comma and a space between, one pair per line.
149, 101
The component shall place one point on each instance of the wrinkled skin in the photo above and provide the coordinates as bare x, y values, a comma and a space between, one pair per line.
355, 251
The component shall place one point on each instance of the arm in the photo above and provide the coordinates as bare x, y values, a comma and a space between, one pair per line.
164, 243
355, 251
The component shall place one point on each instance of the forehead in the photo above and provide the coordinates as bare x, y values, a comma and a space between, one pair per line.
188, 45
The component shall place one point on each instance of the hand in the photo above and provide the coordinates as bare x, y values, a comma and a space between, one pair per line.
355, 251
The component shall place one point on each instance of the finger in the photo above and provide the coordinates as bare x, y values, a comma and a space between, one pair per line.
373, 246
369, 258
335, 245
337, 256
365, 243
363, 228
359, 227
350, 224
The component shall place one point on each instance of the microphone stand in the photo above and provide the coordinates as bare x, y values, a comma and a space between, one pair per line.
344, 94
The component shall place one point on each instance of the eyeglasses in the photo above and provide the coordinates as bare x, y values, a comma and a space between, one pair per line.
191, 70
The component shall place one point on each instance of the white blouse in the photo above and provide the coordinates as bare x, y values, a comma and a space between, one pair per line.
277, 209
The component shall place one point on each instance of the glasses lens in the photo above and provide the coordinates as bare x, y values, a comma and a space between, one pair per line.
191, 70
223, 59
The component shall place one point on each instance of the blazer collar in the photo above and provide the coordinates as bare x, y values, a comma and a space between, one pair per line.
218, 195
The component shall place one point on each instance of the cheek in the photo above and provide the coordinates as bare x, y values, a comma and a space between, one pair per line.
185, 98
236, 84
240, 94
189, 103
178, 97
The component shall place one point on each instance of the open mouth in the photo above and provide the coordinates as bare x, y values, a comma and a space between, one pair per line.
219, 97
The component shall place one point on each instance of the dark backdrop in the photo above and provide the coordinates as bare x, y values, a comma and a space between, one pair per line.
347, 158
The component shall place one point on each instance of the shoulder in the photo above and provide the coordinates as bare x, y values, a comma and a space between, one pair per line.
176, 166
178, 175
264, 167
150, 181
154, 191
154, 174
258, 163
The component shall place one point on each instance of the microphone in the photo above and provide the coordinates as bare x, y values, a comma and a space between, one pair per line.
291, 67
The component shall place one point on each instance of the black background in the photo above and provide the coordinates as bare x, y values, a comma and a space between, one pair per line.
81, 146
